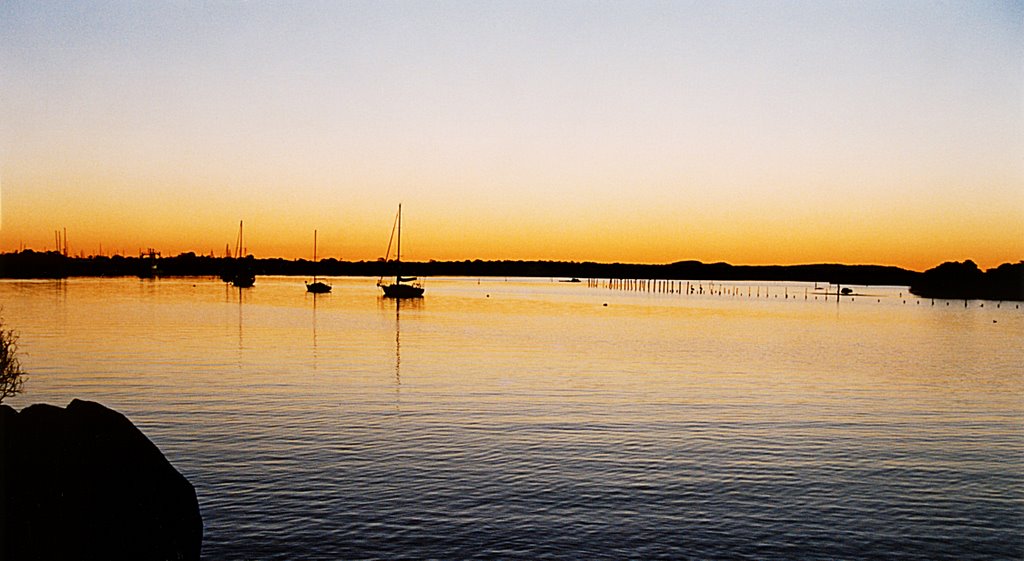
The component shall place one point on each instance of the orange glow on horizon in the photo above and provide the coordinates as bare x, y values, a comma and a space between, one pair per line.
739, 238
751, 135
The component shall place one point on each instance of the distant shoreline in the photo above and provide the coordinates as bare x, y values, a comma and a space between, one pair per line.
950, 280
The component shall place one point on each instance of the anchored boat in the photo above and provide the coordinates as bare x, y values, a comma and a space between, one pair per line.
241, 276
403, 287
316, 287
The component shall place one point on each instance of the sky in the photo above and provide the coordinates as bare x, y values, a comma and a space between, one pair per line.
749, 132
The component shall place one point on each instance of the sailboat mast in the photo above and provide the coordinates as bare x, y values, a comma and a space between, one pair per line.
398, 252
314, 255
238, 242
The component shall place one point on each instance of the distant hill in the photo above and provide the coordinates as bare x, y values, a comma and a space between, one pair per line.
949, 280
29, 264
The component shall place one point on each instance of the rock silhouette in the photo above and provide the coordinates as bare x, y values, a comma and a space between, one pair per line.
84, 483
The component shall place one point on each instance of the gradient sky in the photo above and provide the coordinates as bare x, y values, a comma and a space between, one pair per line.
740, 131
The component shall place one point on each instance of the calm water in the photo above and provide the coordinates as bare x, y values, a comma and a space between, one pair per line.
524, 419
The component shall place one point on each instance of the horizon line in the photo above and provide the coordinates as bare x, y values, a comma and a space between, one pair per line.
210, 255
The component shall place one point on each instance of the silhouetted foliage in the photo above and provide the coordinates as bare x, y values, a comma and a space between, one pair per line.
965, 281
11, 375
29, 264
949, 280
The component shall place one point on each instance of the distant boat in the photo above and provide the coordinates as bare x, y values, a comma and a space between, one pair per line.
149, 260
241, 276
401, 287
574, 279
316, 287
243, 279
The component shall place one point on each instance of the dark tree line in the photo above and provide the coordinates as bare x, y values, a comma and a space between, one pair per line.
965, 281
949, 280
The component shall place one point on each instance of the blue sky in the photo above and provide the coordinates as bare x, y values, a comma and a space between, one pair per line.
641, 131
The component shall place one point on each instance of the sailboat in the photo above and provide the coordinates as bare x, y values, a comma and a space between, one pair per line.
401, 288
242, 276
316, 287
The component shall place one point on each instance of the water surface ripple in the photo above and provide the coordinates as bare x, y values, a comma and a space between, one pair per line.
524, 419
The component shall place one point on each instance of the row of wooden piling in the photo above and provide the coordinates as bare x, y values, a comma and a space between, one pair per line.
658, 286
664, 286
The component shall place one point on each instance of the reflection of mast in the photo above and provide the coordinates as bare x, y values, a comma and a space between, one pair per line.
398, 353
314, 331
240, 346
241, 340
399, 303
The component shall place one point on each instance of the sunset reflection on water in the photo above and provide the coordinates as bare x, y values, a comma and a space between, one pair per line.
524, 418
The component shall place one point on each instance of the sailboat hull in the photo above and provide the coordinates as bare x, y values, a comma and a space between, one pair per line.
402, 291
243, 280
318, 287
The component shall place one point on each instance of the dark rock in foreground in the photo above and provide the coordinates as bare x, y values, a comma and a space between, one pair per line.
84, 483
